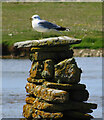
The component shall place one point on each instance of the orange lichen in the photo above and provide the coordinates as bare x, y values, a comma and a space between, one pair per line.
47, 94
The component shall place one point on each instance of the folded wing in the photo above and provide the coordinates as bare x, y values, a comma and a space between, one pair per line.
50, 25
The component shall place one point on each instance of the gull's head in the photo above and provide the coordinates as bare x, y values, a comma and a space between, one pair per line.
35, 17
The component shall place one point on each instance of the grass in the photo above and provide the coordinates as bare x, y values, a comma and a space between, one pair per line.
84, 20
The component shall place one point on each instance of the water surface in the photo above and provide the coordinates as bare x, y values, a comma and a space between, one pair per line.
16, 71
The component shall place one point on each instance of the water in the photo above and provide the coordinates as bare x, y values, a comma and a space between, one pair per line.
16, 71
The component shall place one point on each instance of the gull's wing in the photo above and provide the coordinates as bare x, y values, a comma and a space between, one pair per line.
48, 25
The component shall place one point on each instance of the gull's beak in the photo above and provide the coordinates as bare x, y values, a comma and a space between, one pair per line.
31, 19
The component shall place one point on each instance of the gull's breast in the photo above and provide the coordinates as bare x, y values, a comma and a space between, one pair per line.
39, 28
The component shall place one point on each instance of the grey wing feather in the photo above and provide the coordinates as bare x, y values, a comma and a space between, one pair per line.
48, 25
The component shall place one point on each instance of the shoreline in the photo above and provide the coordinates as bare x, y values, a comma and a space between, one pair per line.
77, 53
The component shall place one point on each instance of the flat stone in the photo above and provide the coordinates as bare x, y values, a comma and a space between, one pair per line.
52, 107
79, 95
36, 81
67, 71
30, 112
66, 87
76, 92
46, 115
56, 56
50, 49
48, 94
30, 100
54, 41
27, 111
78, 115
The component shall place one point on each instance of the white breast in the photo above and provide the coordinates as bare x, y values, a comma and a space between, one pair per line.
37, 27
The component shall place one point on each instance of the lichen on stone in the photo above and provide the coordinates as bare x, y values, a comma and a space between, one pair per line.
36, 81
66, 87
47, 94
67, 71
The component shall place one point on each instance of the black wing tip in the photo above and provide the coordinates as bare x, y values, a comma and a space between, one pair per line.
62, 29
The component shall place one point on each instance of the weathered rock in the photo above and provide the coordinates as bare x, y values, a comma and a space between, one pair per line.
36, 69
75, 105
50, 48
78, 115
36, 81
30, 112
56, 56
52, 107
27, 111
54, 41
47, 94
46, 115
30, 100
66, 87
43, 69
48, 71
53, 90
67, 71
79, 95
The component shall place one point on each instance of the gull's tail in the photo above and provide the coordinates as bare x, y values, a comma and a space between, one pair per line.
62, 29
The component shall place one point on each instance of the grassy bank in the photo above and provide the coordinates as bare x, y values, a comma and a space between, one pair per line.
84, 20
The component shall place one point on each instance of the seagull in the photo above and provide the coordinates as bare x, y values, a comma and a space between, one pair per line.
44, 26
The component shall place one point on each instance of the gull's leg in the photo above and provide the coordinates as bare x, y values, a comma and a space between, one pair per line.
41, 35
60, 32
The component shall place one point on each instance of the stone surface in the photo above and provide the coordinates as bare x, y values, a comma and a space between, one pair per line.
47, 94
62, 40
67, 71
27, 111
56, 56
31, 112
43, 69
78, 115
36, 69
66, 87
36, 81
30, 100
52, 107
46, 115
79, 95
50, 49
48, 71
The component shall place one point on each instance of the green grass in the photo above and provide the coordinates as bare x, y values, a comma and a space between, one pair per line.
84, 20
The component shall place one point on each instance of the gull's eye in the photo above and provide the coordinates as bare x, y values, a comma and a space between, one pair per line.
34, 17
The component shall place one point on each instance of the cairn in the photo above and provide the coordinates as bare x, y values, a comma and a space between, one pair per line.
53, 87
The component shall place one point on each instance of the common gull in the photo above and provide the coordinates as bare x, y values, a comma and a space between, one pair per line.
44, 26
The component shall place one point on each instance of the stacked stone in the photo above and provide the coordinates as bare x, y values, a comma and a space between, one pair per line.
53, 87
